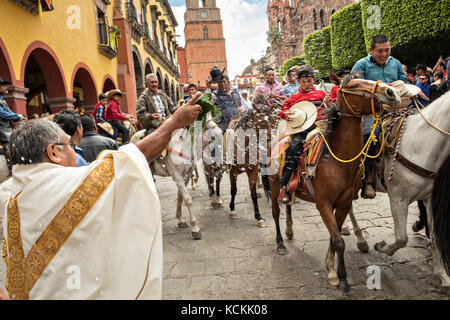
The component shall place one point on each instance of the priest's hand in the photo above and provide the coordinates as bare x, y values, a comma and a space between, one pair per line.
152, 145
188, 113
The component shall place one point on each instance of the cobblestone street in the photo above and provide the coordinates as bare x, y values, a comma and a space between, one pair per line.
236, 260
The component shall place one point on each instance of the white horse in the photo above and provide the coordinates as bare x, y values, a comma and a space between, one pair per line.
426, 144
178, 164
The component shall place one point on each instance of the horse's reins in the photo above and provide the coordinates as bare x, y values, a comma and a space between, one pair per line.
377, 121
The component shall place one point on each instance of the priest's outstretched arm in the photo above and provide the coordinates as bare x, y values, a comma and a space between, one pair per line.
152, 145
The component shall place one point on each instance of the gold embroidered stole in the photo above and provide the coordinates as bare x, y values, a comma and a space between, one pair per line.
23, 272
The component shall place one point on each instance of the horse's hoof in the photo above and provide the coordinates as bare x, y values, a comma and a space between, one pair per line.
363, 247
290, 235
380, 246
345, 232
196, 235
281, 250
233, 215
343, 286
259, 195
261, 224
416, 226
333, 281
182, 225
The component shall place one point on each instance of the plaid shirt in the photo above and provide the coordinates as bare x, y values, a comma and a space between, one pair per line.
266, 89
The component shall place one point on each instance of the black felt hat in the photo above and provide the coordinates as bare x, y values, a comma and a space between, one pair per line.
216, 74
305, 71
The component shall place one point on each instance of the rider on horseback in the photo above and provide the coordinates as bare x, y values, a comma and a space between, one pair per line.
153, 106
306, 92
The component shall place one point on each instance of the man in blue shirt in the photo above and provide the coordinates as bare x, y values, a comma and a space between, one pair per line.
424, 95
377, 66
292, 86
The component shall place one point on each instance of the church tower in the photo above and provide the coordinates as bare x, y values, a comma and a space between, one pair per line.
205, 44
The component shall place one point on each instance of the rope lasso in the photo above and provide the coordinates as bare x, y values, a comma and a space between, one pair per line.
424, 118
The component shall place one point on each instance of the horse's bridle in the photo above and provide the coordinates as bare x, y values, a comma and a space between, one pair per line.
364, 93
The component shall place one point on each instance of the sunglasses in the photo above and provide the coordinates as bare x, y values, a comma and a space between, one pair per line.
71, 144
423, 79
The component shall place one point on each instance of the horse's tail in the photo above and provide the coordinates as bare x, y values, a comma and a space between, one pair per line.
441, 212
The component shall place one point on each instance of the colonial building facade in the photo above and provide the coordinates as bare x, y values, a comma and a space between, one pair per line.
290, 21
205, 43
77, 49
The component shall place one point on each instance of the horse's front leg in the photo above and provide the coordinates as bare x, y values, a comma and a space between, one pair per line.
218, 177
334, 224
181, 222
252, 175
289, 223
274, 183
399, 211
181, 183
233, 184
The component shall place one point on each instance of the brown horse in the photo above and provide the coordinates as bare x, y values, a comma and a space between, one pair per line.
335, 183
246, 153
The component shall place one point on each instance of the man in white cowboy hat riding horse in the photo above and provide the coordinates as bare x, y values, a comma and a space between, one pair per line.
300, 110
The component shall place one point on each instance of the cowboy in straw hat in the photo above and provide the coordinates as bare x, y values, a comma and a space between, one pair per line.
114, 116
300, 110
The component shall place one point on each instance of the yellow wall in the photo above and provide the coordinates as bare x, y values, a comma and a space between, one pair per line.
20, 28
144, 55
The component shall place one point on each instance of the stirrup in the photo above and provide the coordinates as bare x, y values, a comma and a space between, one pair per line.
286, 198
282, 191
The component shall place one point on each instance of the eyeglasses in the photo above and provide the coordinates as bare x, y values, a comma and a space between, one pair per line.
71, 144
423, 79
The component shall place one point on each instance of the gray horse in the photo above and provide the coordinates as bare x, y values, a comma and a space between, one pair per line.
179, 164
425, 142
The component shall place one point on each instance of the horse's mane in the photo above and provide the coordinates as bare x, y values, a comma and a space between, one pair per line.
347, 79
246, 121
333, 116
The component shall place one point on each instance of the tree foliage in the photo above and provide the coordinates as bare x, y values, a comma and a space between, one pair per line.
318, 51
347, 37
289, 63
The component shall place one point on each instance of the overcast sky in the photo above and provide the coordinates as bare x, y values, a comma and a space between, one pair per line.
244, 26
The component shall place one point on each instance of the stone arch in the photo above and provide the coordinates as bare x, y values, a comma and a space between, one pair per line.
82, 78
315, 19
166, 85
172, 93
178, 94
108, 84
160, 79
6, 68
322, 18
42, 74
148, 67
138, 71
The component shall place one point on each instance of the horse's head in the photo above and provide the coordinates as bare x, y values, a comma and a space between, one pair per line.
364, 97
